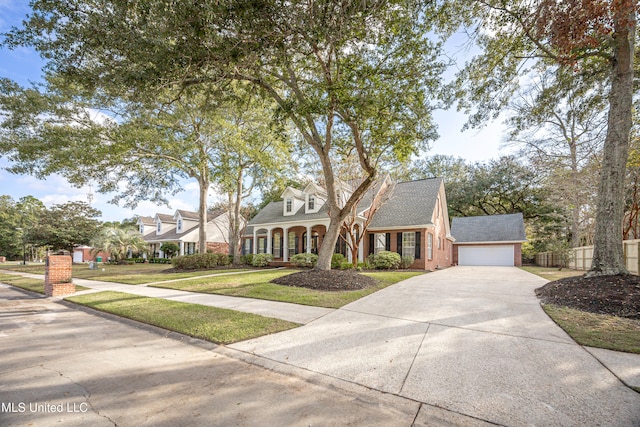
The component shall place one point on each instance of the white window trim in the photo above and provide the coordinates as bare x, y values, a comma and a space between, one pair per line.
409, 250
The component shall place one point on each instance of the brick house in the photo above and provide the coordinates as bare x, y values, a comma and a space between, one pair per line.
182, 228
413, 221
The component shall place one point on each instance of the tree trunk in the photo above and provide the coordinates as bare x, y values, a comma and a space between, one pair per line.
237, 220
329, 242
608, 258
202, 215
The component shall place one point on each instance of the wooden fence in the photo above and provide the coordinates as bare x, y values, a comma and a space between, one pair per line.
580, 258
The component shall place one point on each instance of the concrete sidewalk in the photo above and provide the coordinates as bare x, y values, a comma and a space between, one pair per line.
64, 366
296, 313
473, 340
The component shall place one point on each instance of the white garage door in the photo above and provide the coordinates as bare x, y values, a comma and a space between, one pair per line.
486, 255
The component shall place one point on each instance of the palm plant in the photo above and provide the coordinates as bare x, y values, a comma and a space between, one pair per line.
118, 242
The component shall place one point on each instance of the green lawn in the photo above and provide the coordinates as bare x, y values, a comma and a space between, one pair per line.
33, 285
213, 324
552, 274
590, 329
257, 285
131, 274
597, 330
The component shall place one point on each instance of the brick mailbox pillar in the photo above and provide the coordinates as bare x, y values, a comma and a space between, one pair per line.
57, 276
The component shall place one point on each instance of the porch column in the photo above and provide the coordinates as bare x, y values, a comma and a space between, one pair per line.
255, 241
309, 240
361, 250
285, 244
181, 245
269, 241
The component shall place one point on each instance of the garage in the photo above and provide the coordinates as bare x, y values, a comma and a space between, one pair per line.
501, 255
488, 240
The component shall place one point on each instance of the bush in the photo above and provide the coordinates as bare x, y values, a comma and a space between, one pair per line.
159, 261
337, 260
261, 260
305, 260
136, 260
386, 260
200, 261
246, 259
406, 261
346, 265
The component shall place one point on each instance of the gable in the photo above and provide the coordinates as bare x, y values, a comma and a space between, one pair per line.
410, 204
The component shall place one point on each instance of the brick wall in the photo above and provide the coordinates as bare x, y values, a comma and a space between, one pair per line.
57, 276
218, 248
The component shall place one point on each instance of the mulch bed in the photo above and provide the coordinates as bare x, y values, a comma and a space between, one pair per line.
616, 295
332, 280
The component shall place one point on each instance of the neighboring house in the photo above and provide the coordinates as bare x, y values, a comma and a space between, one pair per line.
182, 228
85, 253
488, 240
413, 221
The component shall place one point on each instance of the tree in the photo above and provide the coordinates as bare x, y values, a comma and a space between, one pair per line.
559, 121
590, 37
347, 73
170, 249
10, 228
65, 226
118, 242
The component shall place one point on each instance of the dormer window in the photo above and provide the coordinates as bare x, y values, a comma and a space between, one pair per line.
141, 228
179, 225
289, 205
159, 227
312, 202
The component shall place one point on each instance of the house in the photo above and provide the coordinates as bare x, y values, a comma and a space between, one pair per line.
182, 228
413, 221
488, 240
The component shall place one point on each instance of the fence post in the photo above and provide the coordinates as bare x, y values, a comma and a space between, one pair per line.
584, 256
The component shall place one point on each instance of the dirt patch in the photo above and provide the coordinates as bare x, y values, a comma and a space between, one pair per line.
332, 280
616, 295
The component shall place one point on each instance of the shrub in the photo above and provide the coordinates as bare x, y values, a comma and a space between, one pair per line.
200, 261
337, 260
159, 261
304, 260
261, 260
246, 259
346, 265
386, 260
406, 261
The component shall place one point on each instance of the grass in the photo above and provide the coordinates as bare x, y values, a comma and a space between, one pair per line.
136, 274
217, 325
551, 273
257, 285
33, 285
590, 329
597, 330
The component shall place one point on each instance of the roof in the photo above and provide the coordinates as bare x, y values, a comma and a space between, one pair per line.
411, 203
489, 228
195, 216
145, 219
165, 218
172, 235
273, 213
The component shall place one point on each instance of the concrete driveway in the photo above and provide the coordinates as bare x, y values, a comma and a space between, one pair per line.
472, 340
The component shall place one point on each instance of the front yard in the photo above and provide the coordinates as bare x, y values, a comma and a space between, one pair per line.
600, 330
257, 285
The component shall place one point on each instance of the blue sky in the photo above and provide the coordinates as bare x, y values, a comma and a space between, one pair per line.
24, 66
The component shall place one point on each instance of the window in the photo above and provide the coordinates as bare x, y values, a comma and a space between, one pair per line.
292, 244
289, 203
275, 250
189, 248
381, 242
179, 225
409, 244
312, 202
429, 246
247, 246
141, 228
159, 227
262, 245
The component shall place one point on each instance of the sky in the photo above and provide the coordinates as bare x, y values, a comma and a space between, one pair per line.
24, 66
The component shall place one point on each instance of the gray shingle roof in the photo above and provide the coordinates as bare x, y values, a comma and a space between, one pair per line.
411, 203
489, 228
273, 213
169, 235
